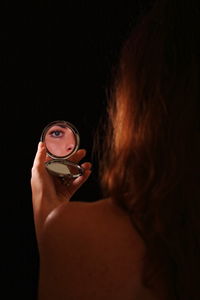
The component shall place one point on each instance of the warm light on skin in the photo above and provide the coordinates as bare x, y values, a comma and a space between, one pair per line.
60, 141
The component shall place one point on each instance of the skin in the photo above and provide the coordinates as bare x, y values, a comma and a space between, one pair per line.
87, 250
60, 141
48, 192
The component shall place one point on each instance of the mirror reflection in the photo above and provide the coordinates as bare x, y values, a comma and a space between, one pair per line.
62, 141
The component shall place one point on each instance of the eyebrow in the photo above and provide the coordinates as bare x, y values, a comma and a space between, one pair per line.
57, 126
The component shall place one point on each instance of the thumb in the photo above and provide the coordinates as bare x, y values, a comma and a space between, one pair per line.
40, 156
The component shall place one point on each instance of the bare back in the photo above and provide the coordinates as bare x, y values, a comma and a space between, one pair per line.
91, 251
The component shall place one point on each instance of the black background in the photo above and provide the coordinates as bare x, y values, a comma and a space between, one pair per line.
56, 64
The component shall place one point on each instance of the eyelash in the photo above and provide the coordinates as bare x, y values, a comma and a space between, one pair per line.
52, 132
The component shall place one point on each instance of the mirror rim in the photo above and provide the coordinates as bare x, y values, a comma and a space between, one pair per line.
67, 125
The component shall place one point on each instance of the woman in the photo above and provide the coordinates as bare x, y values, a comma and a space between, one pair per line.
142, 240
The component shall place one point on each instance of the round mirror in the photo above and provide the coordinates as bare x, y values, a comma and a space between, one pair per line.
62, 141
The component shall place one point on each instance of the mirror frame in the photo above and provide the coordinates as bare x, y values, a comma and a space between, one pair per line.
63, 159
67, 125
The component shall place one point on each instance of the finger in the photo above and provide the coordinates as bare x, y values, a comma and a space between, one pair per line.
86, 165
81, 179
77, 183
79, 155
40, 155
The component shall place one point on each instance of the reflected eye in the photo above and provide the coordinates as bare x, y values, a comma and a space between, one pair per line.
56, 133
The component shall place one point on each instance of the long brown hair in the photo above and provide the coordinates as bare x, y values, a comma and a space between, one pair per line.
150, 162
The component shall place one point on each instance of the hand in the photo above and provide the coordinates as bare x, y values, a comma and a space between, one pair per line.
48, 191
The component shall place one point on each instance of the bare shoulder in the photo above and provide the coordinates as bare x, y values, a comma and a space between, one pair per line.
90, 251
99, 219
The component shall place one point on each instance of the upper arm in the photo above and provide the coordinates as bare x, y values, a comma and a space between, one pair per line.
66, 265
54, 256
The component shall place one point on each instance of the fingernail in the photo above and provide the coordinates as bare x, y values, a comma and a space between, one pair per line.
40, 145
